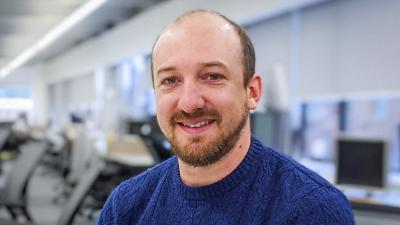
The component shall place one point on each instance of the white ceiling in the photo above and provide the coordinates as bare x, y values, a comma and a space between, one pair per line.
24, 22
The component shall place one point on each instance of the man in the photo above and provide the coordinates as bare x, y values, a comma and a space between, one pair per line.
205, 84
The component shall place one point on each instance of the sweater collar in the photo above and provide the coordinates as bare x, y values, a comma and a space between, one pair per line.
246, 170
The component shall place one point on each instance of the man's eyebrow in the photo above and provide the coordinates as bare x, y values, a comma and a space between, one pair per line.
214, 63
165, 69
205, 64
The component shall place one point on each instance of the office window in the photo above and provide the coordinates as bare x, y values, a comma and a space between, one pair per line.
377, 117
321, 129
324, 120
14, 100
14, 92
136, 89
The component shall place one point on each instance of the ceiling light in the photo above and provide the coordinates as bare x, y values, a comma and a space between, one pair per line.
65, 25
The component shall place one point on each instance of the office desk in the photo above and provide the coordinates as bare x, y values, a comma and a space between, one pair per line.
384, 200
128, 151
125, 157
363, 217
130, 159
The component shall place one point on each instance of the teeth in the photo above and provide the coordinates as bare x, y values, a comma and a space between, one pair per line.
197, 125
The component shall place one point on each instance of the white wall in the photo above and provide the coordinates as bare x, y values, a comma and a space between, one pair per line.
271, 41
340, 48
138, 34
350, 47
369, 47
32, 78
328, 49
40, 101
81, 89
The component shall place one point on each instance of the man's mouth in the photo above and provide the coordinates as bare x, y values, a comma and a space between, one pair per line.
197, 125
196, 122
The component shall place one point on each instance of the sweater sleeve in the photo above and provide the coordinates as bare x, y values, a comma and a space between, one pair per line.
116, 205
106, 216
323, 207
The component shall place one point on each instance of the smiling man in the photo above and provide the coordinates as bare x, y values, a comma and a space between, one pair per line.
205, 83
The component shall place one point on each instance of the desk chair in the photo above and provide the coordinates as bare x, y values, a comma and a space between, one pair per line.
86, 181
79, 159
13, 197
4, 133
126, 157
73, 204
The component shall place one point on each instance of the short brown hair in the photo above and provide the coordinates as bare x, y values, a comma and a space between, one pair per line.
248, 54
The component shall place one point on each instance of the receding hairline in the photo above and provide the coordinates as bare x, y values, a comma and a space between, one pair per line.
200, 12
189, 14
246, 46
182, 19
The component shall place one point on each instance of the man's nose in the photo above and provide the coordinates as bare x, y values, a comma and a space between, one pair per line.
191, 98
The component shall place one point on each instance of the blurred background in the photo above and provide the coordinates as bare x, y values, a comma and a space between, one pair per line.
77, 106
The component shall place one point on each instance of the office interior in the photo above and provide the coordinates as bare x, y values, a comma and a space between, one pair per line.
77, 112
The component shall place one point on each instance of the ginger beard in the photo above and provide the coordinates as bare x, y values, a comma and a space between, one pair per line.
203, 150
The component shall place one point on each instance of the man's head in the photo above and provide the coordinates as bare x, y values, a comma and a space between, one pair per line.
248, 54
203, 73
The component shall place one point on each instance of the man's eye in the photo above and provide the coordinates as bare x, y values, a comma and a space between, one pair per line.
169, 81
214, 76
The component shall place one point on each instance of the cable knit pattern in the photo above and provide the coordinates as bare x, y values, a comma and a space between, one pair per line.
267, 188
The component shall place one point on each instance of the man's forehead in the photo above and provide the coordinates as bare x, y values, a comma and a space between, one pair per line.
204, 18
199, 24
198, 21
202, 37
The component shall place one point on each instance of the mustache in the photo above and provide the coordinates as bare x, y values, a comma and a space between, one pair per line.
209, 113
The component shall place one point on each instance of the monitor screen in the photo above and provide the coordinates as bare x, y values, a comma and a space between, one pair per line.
361, 162
135, 127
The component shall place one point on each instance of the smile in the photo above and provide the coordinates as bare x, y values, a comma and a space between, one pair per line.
197, 125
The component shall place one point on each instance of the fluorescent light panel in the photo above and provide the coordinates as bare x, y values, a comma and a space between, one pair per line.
53, 35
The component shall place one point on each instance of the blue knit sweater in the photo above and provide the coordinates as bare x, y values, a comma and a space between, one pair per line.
266, 188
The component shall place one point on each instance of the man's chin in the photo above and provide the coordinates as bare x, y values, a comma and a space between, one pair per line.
193, 143
183, 138
195, 151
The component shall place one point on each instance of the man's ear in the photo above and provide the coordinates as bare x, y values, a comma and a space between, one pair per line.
254, 91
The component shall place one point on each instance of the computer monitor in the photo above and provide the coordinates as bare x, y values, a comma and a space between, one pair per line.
150, 130
136, 127
361, 162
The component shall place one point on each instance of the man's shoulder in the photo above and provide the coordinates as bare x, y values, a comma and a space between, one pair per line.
315, 199
130, 197
149, 177
291, 171
142, 186
302, 192
293, 179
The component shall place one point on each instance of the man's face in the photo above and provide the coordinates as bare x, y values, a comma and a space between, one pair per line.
198, 77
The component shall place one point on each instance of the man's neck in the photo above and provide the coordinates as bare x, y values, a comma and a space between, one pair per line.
201, 176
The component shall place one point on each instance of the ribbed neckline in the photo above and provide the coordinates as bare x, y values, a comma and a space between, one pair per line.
245, 171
